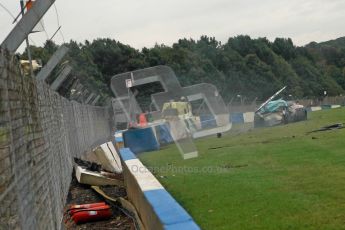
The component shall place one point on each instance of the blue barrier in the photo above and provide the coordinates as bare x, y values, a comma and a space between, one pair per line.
169, 212
157, 208
326, 106
118, 136
237, 118
140, 140
164, 136
207, 121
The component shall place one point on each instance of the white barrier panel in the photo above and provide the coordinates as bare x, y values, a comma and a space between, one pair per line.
248, 117
315, 108
112, 156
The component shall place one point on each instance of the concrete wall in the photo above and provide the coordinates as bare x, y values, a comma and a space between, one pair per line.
40, 133
156, 207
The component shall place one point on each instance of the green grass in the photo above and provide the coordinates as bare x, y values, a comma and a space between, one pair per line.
269, 178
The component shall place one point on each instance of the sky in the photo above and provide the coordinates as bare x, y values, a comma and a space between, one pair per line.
143, 23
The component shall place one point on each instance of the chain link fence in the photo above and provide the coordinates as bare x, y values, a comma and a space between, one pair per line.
40, 133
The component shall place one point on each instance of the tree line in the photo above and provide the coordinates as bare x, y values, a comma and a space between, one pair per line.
254, 68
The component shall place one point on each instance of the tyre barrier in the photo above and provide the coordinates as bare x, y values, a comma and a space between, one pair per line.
156, 207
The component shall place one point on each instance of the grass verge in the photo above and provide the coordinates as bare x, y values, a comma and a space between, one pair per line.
268, 178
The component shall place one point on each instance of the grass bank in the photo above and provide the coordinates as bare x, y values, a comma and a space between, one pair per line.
269, 178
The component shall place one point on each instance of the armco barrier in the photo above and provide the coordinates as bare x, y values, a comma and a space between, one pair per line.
156, 207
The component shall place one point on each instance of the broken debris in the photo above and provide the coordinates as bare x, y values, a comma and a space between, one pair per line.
82, 194
328, 128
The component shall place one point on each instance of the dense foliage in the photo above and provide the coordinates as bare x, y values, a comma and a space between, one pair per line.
254, 68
